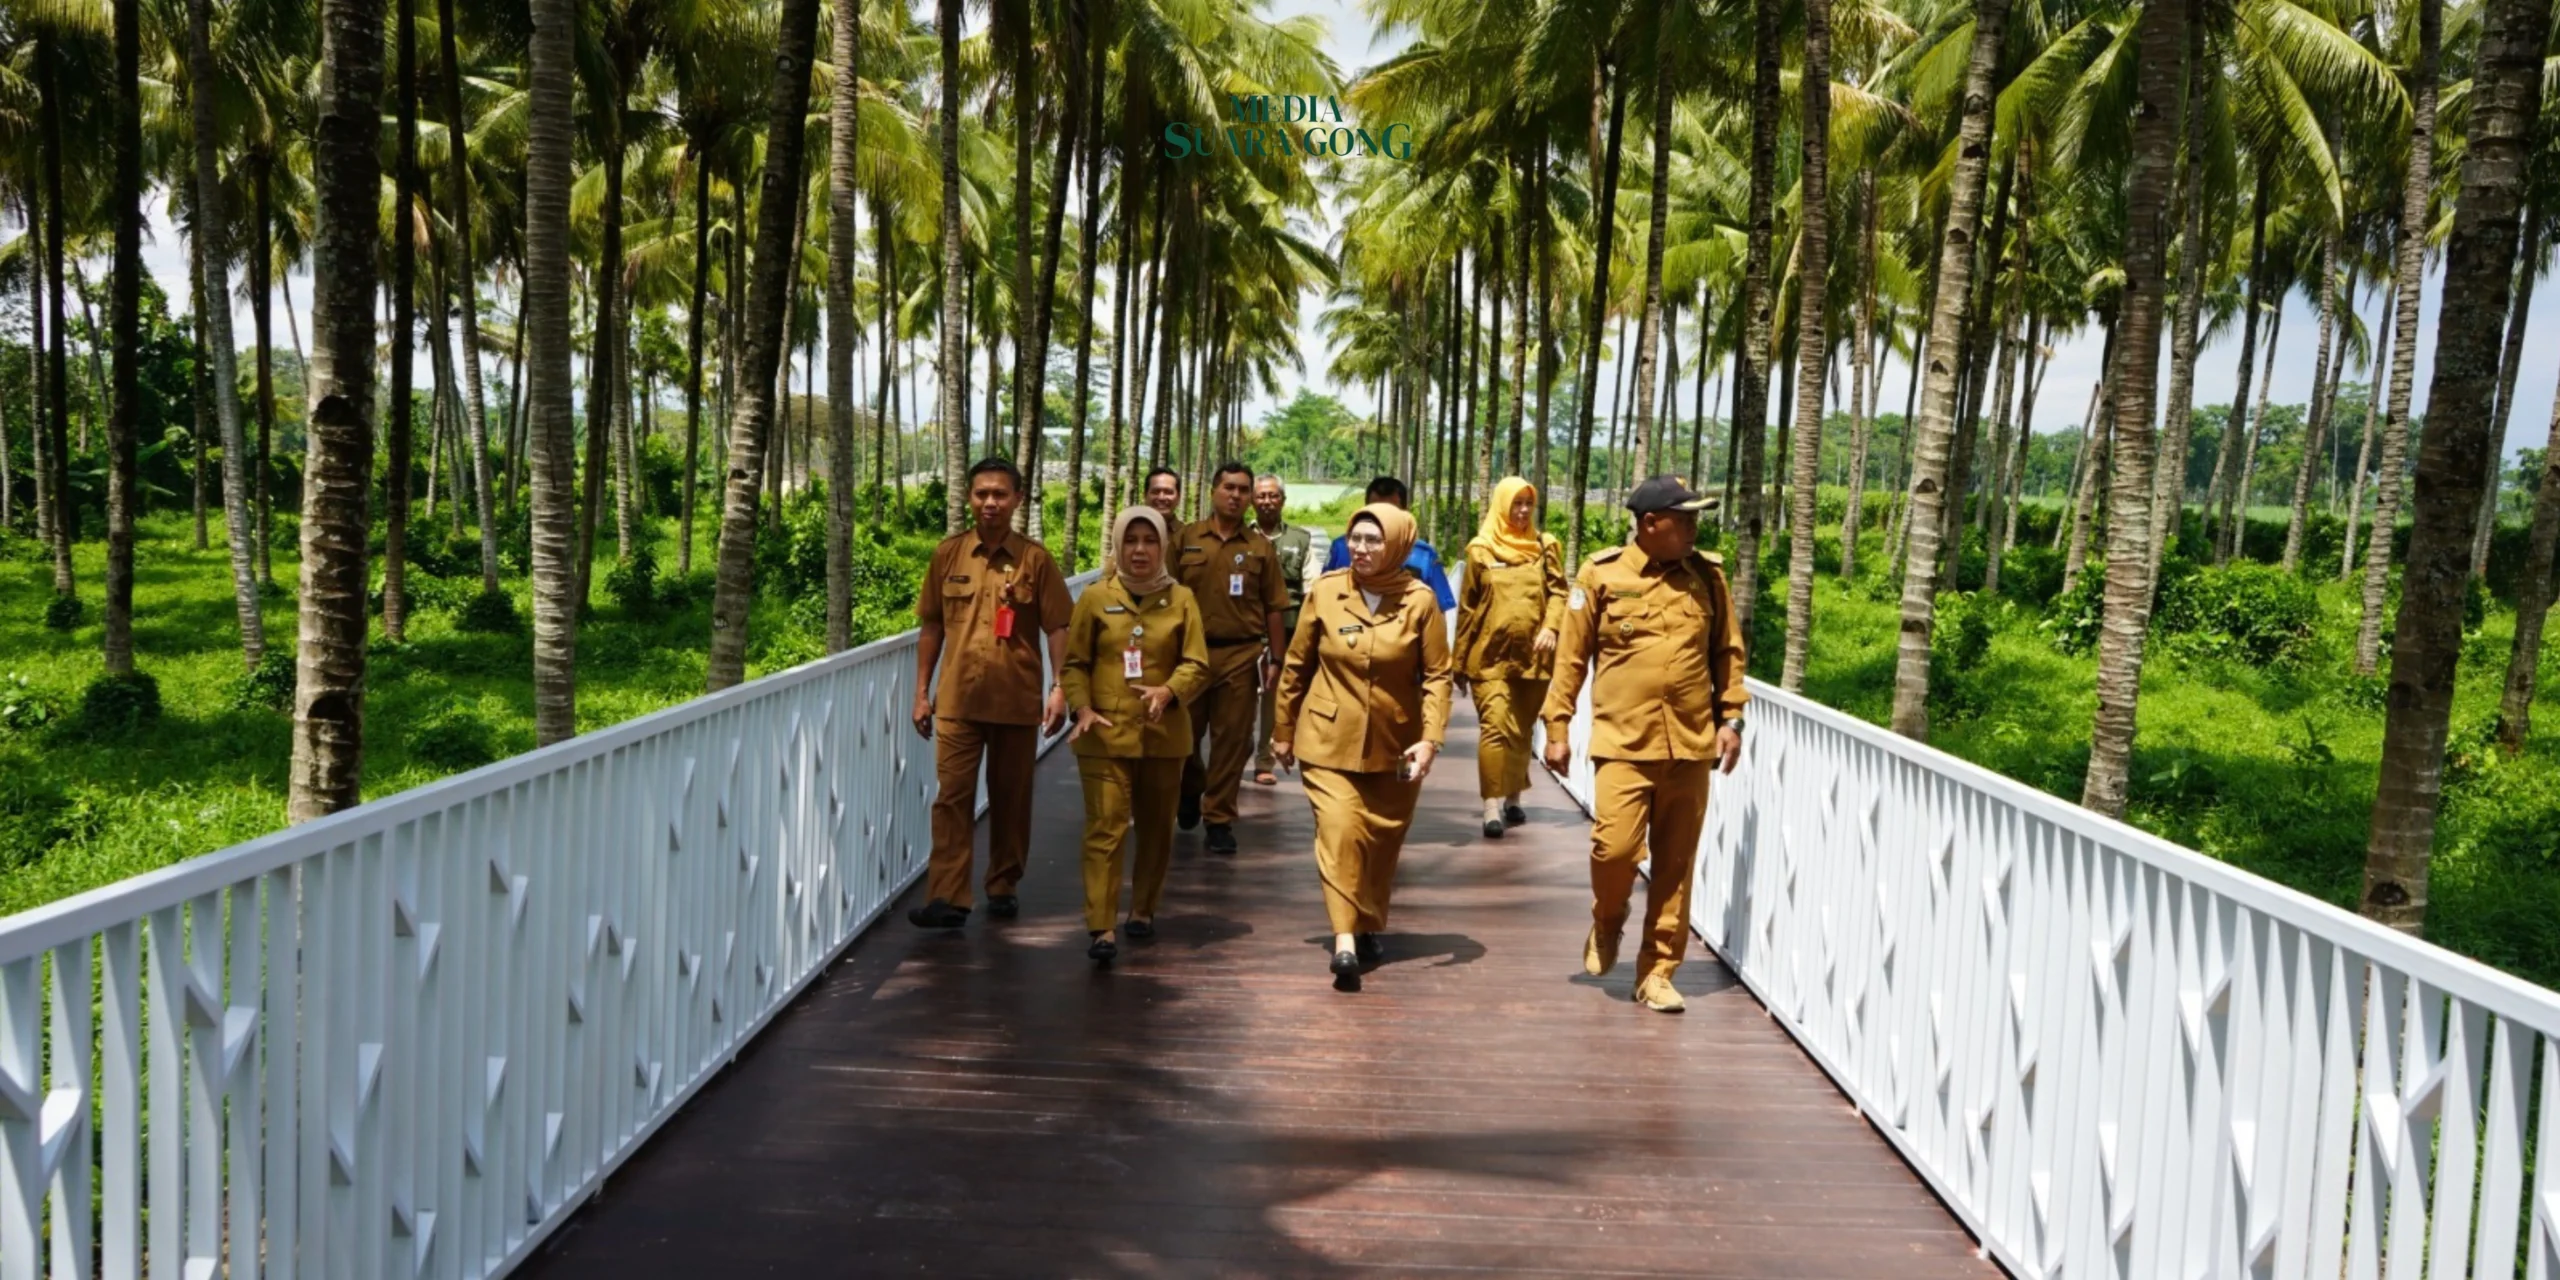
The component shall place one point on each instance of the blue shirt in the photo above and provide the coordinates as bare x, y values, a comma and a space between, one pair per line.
1422, 560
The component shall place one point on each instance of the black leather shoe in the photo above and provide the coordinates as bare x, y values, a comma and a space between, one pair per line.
1103, 950
1190, 813
1140, 930
1003, 906
1368, 948
1514, 815
938, 914
1346, 971
1493, 829
1222, 838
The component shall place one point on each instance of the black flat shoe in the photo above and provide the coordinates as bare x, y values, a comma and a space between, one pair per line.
1003, 906
1189, 816
1102, 950
1140, 930
938, 914
1221, 839
1493, 829
1368, 948
1514, 815
1346, 971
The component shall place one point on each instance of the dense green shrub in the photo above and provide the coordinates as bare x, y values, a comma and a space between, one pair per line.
36, 815
2031, 575
267, 687
1959, 647
120, 704
2071, 620
633, 581
454, 737
489, 613
62, 613
2247, 611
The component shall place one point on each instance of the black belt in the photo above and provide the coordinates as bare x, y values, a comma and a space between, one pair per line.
1229, 644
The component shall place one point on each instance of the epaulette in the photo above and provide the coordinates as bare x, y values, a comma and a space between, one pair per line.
1604, 557
1715, 558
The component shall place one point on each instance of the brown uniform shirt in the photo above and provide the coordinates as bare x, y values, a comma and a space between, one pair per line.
986, 677
1173, 650
1501, 610
1663, 651
1236, 581
1360, 685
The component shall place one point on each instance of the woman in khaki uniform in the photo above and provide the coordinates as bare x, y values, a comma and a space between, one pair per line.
1364, 701
1509, 606
1136, 652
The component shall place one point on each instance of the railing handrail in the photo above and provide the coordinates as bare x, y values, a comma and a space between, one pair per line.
2458, 974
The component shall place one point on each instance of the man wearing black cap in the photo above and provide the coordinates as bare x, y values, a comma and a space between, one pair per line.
1652, 625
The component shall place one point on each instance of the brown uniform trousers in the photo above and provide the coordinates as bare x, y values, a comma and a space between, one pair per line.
986, 701
1664, 654
1132, 770
1501, 610
1236, 581
1358, 688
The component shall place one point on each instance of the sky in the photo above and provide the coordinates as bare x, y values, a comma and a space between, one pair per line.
1354, 43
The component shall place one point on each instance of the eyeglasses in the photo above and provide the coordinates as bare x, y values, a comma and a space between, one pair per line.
1363, 541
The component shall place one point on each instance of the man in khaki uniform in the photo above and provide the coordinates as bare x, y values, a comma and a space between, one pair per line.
1652, 624
1300, 566
989, 596
1235, 575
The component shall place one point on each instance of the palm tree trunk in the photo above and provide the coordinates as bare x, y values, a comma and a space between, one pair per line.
40, 413
1759, 301
693, 354
1983, 331
2126, 616
2372, 419
2455, 456
2323, 402
955, 460
124, 426
1035, 375
2093, 472
777, 217
1520, 339
1016, 25
262, 315
2169, 475
466, 269
516, 413
1813, 345
2410, 267
1088, 238
2239, 527
2528, 269
2533, 597
843, 325
604, 353
543, 313
57, 379
1594, 326
1861, 368
402, 339
1649, 314
2236, 434
328, 721
1931, 440
215, 316
1546, 342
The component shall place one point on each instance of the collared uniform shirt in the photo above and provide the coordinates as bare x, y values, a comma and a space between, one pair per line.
1501, 610
1361, 685
1236, 580
1172, 649
1662, 649
986, 677
1299, 568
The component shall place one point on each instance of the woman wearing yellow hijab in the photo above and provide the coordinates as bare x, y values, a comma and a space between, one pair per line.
1364, 701
1510, 604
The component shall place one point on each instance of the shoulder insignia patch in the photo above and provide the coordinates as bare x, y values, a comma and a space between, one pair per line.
1605, 557
1715, 558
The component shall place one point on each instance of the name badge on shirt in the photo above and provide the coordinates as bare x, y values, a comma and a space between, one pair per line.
1350, 629
1133, 664
1235, 584
1115, 608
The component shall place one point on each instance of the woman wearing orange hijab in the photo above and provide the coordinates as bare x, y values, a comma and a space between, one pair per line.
1510, 604
1364, 702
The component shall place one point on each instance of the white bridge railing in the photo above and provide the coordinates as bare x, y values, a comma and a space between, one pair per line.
411, 1038
2112, 1056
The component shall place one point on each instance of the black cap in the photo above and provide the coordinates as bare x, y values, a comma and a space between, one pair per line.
1666, 493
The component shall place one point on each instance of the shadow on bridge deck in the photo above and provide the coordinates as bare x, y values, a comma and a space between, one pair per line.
988, 1104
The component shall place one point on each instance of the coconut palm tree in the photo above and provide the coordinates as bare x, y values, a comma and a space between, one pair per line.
2417, 190
328, 702
543, 306
843, 325
1813, 347
125, 331
215, 284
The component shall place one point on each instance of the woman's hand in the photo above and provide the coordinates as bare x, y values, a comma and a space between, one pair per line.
1418, 758
1545, 643
1086, 719
1285, 755
1155, 697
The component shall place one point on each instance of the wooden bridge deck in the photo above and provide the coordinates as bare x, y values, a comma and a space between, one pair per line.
988, 1104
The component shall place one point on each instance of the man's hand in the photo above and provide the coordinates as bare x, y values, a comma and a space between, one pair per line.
922, 717
1559, 753
1728, 748
1053, 712
1085, 721
1418, 758
1155, 698
1284, 755
1545, 643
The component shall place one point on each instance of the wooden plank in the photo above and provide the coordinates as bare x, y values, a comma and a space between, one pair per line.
987, 1103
